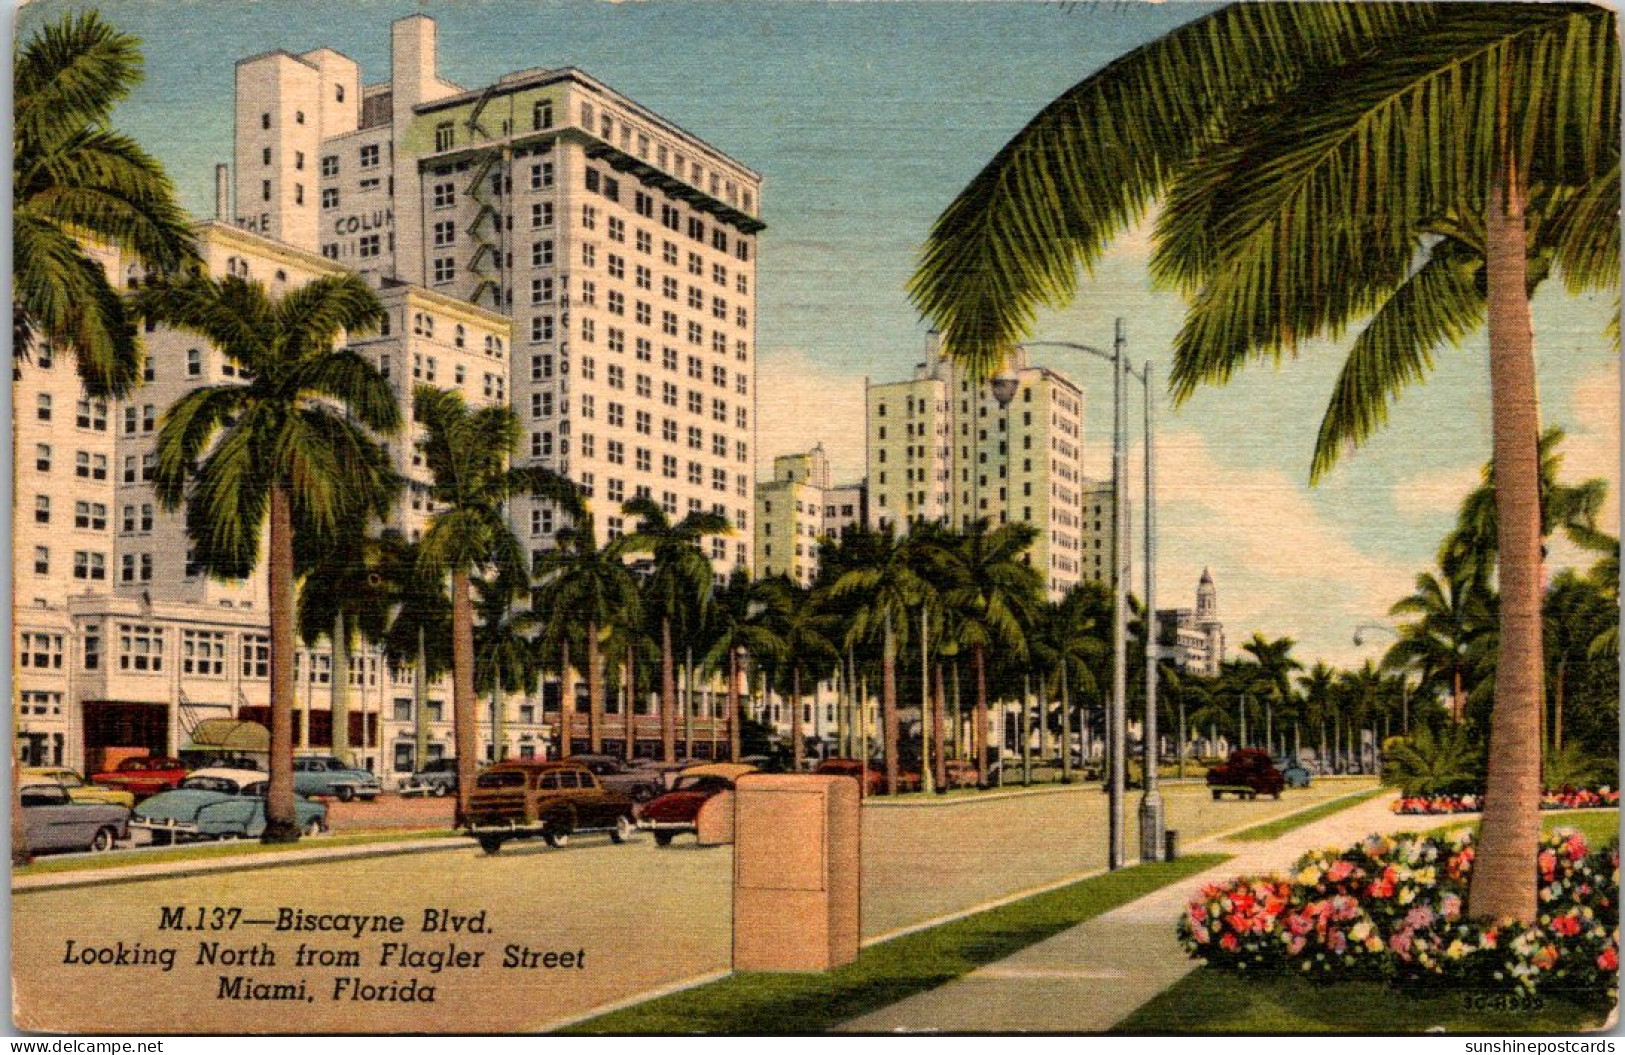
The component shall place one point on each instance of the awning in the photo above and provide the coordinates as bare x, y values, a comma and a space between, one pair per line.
230, 734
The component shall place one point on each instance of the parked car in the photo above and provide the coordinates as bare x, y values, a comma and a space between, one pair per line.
875, 784
76, 787
1247, 773
438, 777
529, 799
638, 783
144, 776
678, 809
1293, 771
325, 775
219, 804
961, 773
54, 821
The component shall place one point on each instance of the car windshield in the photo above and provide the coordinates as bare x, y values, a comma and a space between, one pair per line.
706, 784
203, 783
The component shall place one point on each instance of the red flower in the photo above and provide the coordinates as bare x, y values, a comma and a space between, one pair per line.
1568, 926
1229, 943
1609, 960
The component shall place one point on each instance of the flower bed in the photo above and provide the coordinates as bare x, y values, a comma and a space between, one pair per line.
1392, 908
1567, 799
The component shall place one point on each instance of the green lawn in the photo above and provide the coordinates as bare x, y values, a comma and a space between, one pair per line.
883, 974
1282, 825
1210, 1001
1598, 826
226, 850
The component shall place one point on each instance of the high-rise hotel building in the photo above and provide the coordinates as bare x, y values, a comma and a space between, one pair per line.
622, 247
942, 449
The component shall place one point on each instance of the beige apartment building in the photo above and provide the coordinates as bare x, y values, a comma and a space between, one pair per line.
940, 450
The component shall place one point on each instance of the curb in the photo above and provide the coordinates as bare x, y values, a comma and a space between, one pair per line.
140, 873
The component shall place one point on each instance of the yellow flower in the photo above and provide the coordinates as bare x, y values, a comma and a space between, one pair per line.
1308, 877
1407, 895
1360, 930
1456, 950
1373, 944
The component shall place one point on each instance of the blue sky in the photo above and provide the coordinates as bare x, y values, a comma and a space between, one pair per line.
865, 119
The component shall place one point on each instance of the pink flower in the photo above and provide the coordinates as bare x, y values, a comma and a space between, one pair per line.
1609, 960
1340, 871
1450, 906
1419, 917
1401, 943
1548, 865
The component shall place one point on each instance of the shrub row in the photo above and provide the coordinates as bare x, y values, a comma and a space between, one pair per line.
1566, 799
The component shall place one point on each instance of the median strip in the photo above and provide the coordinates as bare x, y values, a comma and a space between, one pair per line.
887, 971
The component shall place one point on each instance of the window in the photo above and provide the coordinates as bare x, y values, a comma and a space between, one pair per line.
696, 266
589, 254
445, 269
265, 190
645, 242
42, 560
87, 565
696, 228
367, 246
617, 229
330, 166
541, 116
256, 656
541, 214
330, 197
140, 647
42, 509
541, 254
541, 329
589, 217
299, 194
40, 651
445, 195
541, 175
42, 407
668, 253
42, 457
90, 516
203, 653
445, 136
445, 233
541, 291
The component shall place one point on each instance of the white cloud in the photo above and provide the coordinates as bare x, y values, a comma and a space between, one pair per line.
801, 401
1592, 446
1431, 493
1281, 567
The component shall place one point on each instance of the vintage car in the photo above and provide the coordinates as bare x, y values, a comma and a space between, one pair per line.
677, 810
639, 783
530, 799
54, 821
325, 775
1295, 772
1247, 773
438, 777
875, 784
144, 776
218, 804
78, 790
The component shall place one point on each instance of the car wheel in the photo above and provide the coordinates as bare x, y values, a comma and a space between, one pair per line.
623, 829
1276, 796
345, 793
441, 791
103, 840
556, 838
1216, 796
314, 827
663, 838
490, 844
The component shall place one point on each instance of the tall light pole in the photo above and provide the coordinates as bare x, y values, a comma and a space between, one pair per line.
1117, 738
1004, 388
1151, 808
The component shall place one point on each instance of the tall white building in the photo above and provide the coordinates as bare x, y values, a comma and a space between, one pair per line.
796, 509
1197, 636
623, 247
942, 449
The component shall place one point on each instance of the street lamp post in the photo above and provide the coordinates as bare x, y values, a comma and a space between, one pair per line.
1151, 808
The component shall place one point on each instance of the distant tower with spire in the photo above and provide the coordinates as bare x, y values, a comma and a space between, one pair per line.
1196, 636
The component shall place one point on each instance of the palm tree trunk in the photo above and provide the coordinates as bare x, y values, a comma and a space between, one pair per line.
1066, 728
281, 820
1557, 707
736, 706
978, 734
1503, 883
463, 699
499, 730
668, 694
688, 704
959, 714
567, 699
595, 693
1457, 705
939, 721
888, 704
339, 701
420, 704
797, 738
629, 750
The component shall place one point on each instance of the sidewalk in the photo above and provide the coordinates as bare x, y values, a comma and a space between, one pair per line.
1087, 979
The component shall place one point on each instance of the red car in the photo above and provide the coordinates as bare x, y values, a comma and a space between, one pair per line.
876, 782
678, 810
1247, 773
144, 777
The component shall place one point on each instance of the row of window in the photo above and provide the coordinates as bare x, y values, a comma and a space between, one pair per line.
88, 414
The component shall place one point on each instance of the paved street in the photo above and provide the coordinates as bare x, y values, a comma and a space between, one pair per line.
646, 917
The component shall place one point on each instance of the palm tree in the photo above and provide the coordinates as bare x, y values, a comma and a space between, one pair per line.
997, 597
467, 454
589, 585
344, 594
736, 629
796, 618
887, 588
293, 446
1451, 611
505, 659
76, 182
1307, 182
1426, 763
419, 633
1067, 642
677, 584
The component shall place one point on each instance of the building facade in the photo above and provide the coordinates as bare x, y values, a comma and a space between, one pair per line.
941, 449
1196, 635
622, 247
796, 509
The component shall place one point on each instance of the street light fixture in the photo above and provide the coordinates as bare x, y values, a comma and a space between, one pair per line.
1004, 387
1152, 816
